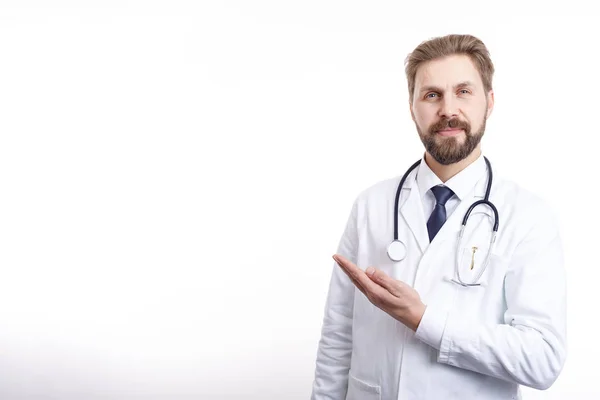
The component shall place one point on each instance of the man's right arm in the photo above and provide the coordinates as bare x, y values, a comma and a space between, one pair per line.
335, 347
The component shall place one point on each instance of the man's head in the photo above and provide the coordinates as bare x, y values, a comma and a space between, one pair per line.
451, 96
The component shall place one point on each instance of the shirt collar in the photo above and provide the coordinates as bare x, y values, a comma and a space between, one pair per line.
461, 184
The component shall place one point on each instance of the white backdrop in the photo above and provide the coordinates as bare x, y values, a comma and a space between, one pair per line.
175, 176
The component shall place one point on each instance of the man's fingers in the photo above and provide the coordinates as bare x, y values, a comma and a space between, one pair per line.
384, 280
356, 283
352, 271
372, 290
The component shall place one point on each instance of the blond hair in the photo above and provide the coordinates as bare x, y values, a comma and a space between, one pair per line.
443, 46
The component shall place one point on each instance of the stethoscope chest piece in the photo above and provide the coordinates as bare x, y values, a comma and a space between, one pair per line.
396, 250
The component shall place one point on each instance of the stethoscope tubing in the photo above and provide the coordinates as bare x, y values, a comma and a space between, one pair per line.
485, 201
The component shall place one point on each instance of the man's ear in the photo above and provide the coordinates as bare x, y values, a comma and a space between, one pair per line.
412, 114
490, 103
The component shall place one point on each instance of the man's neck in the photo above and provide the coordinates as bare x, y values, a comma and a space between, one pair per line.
445, 172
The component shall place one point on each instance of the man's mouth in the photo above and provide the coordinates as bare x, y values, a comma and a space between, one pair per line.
450, 131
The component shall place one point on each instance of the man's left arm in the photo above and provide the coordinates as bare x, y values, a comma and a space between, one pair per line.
530, 347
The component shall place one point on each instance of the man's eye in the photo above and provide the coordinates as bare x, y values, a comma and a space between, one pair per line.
430, 95
464, 91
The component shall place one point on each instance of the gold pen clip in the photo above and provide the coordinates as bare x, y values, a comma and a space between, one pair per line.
473, 257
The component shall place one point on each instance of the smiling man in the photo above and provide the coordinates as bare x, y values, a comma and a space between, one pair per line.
420, 306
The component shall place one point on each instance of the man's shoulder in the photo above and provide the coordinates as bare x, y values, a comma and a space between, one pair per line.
523, 205
516, 194
381, 189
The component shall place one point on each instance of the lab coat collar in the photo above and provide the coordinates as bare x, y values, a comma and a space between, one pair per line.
461, 184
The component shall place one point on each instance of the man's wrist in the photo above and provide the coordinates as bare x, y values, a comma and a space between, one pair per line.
415, 316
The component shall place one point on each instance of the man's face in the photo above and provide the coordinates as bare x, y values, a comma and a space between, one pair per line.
450, 107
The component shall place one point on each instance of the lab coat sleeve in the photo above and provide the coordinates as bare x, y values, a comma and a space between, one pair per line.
530, 347
335, 346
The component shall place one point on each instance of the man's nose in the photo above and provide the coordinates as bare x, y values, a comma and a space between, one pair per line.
448, 107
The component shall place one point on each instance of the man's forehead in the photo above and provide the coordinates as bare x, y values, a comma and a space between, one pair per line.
447, 71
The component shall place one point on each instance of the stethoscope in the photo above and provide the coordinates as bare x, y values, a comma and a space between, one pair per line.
397, 250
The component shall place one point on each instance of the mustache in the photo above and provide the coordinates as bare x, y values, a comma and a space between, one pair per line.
452, 123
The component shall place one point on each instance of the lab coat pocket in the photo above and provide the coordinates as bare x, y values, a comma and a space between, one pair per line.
484, 302
361, 390
471, 264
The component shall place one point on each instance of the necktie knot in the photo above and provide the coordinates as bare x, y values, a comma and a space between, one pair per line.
442, 194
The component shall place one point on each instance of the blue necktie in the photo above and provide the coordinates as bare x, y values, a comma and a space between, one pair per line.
438, 216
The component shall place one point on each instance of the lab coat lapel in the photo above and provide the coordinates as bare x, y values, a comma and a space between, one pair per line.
412, 213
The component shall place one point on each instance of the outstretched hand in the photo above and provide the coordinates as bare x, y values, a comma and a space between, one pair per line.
390, 295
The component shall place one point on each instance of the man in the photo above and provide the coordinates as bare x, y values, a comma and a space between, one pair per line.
413, 328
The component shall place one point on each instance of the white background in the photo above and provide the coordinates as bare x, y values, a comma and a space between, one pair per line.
175, 176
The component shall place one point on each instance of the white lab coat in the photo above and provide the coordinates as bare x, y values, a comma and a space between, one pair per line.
472, 343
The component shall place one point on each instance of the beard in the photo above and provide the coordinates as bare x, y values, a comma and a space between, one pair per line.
448, 150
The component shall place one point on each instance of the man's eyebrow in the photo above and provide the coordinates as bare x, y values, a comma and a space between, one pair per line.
464, 84
437, 89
